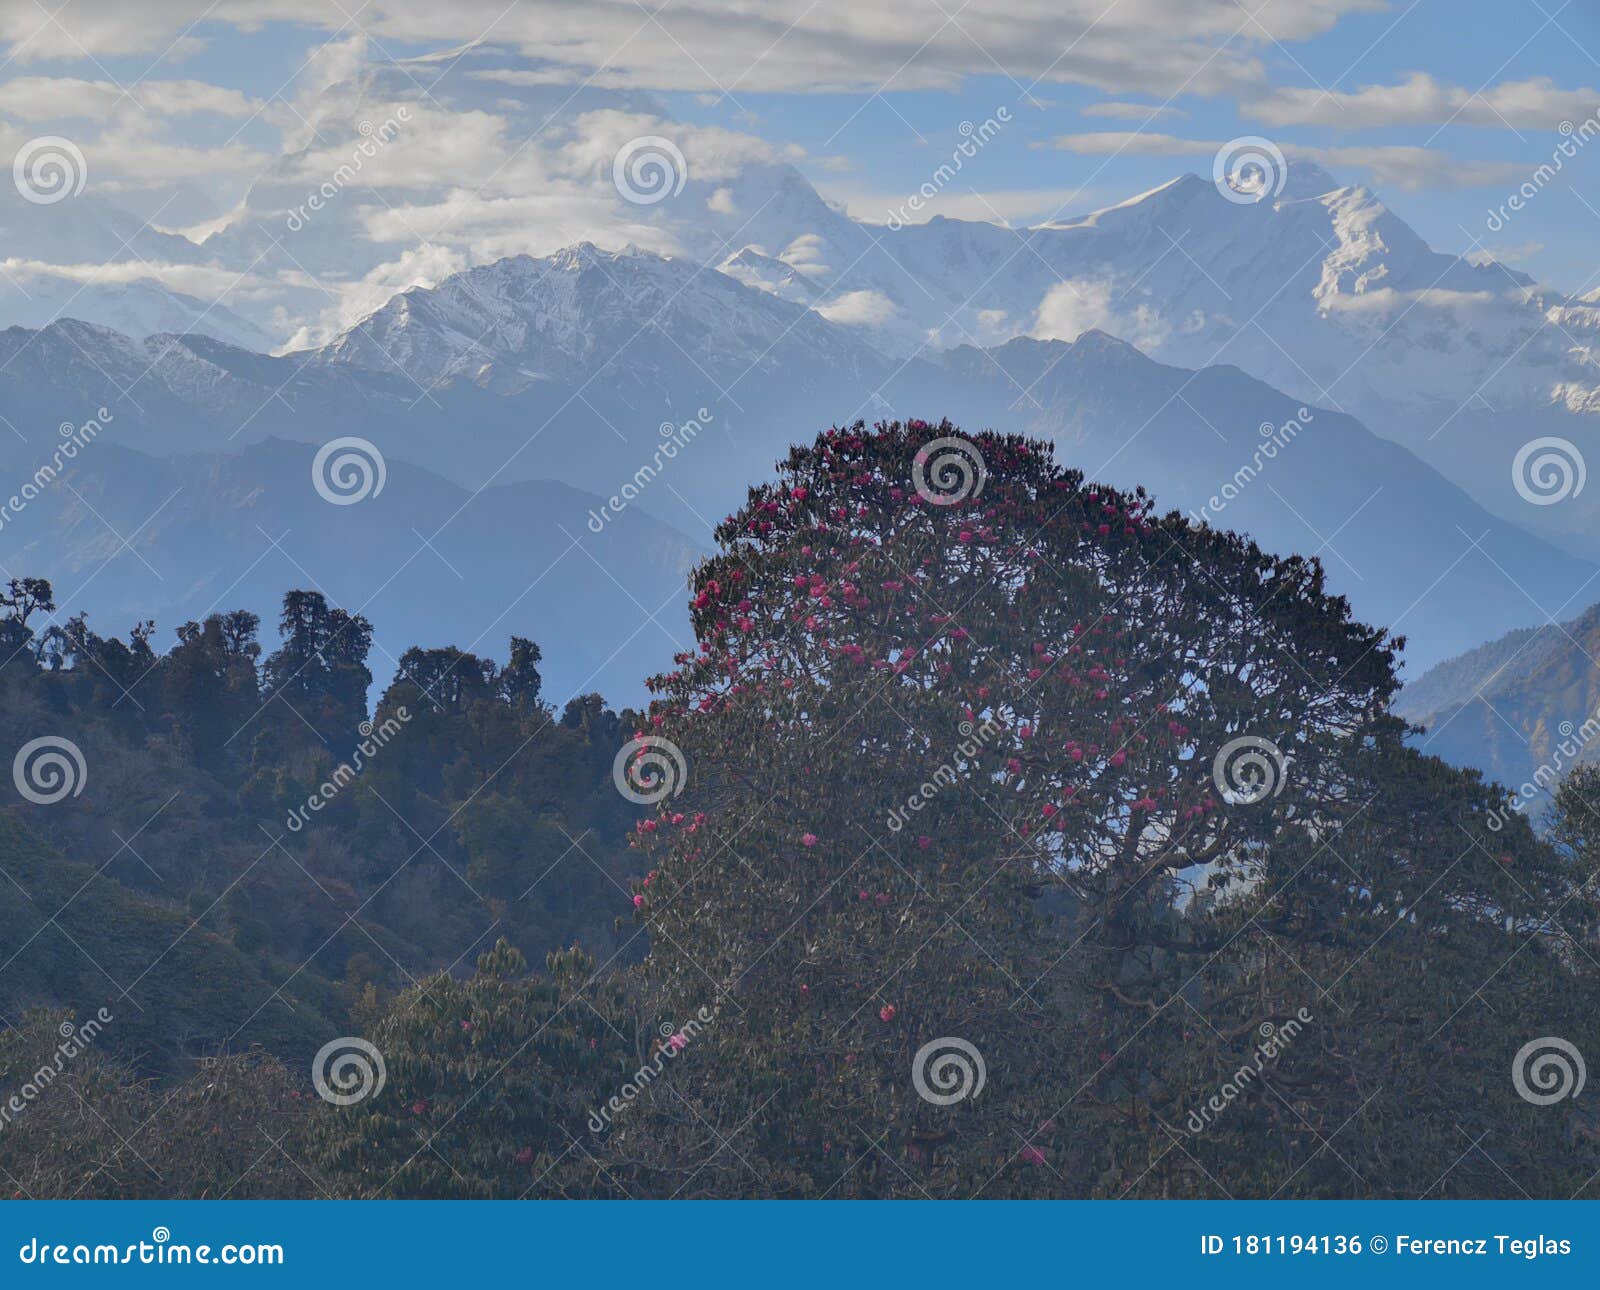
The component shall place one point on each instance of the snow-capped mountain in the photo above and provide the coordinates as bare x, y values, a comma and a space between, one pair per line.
1323, 292
575, 368
583, 314
136, 309
461, 173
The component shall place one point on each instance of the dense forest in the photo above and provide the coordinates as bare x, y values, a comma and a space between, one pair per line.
1002, 836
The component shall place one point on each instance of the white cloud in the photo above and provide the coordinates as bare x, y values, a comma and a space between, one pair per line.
1133, 111
204, 281
67, 98
1537, 104
1073, 307
993, 206
1414, 169
427, 149
712, 153
717, 46
805, 255
419, 267
1407, 167
1505, 254
859, 309
137, 152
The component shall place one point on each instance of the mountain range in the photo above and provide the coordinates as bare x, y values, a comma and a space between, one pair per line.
524, 393
1321, 290
1304, 368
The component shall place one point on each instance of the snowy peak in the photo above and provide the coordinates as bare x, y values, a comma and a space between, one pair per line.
566, 316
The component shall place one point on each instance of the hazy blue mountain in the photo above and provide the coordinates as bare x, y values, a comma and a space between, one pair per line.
569, 368
1527, 700
428, 562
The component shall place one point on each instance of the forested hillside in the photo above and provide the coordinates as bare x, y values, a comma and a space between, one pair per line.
1001, 836
247, 854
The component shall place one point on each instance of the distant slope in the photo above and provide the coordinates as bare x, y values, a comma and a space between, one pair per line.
76, 938
1509, 706
1412, 551
567, 368
428, 562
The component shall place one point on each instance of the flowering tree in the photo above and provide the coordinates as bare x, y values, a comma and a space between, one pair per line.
997, 809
